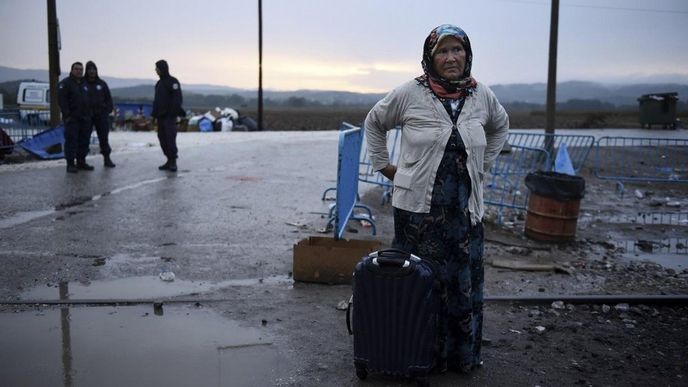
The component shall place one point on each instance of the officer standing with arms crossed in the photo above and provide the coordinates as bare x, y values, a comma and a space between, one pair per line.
76, 115
101, 107
167, 106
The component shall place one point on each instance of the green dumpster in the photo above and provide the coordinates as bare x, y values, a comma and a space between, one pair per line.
658, 109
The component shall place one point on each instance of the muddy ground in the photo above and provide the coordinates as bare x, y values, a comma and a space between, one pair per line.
587, 343
526, 344
619, 240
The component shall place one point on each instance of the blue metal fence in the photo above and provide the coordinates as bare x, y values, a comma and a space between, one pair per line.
525, 153
350, 141
32, 131
344, 126
366, 172
577, 146
663, 159
18, 129
504, 184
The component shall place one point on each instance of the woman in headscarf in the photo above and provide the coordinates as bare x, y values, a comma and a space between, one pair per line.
452, 130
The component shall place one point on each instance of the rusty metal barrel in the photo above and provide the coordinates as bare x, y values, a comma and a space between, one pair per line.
553, 206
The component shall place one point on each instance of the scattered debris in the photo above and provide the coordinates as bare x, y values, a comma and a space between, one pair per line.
516, 265
248, 345
327, 229
167, 276
157, 308
516, 250
365, 220
645, 246
343, 305
623, 307
297, 224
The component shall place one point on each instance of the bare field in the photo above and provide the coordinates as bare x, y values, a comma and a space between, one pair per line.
327, 118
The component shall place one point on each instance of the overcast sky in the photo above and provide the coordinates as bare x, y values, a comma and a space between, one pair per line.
353, 45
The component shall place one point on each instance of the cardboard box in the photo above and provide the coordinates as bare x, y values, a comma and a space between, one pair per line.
325, 260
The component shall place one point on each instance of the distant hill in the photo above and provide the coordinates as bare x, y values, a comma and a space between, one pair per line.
618, 95
12, 74
524, 95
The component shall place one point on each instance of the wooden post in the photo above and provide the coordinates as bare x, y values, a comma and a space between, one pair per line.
260, 65
53, 63
552, 77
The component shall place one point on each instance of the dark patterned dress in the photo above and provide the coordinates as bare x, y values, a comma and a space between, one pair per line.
446, 236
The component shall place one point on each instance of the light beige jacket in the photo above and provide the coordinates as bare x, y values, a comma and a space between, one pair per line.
425, 129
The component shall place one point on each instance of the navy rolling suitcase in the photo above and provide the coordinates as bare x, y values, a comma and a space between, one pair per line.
395, 315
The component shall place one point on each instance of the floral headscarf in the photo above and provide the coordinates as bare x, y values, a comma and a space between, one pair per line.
442, 87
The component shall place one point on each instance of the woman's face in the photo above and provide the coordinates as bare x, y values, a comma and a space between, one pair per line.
449, 59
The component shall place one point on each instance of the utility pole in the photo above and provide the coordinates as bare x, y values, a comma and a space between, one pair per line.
552, 69
53, 63
260, 65
552, 78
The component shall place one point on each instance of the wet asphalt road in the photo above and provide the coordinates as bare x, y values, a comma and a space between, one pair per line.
223, 215
220, 221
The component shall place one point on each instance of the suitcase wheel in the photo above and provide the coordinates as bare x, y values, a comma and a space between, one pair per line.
361, 372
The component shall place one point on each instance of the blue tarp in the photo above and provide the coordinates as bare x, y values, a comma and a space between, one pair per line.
204, 125
562, 163
47, 145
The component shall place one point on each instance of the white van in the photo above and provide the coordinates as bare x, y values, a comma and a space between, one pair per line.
33, 99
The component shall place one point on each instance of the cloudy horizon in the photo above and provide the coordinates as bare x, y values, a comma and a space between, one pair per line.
358, 46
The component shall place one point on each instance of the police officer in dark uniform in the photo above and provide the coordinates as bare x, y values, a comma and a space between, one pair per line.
167, 106
76, 115
101, 107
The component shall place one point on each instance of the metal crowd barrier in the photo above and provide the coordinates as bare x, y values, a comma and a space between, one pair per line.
648, 218
347, 183
525, 153
18, 129
344, 126
663, 160
577, 146
642, 159
504, 184
22, 130
366, 172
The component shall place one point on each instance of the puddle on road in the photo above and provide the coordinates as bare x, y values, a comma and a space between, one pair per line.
127, 346
146, 287
670, 253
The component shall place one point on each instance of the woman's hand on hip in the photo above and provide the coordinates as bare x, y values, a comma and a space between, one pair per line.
389, 171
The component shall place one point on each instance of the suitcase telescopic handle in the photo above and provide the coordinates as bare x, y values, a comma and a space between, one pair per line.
393, 257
